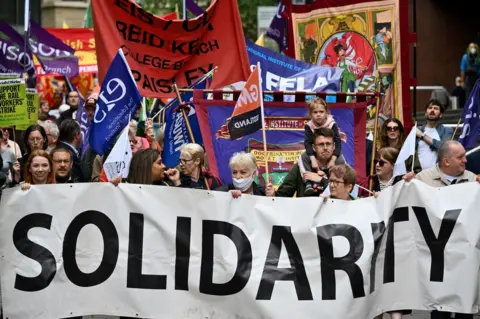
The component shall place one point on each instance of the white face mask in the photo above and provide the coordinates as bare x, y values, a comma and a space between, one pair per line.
242, 184
473, 50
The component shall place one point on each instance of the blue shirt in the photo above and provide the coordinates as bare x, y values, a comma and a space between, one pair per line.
464, 63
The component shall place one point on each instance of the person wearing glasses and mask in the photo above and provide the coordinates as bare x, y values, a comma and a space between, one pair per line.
392, 134
294, 183
244, 170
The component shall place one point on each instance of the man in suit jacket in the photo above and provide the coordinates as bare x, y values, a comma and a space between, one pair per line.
70, 138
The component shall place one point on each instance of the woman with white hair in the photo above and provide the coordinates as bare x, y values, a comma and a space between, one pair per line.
52, 134
244, 170
194, 173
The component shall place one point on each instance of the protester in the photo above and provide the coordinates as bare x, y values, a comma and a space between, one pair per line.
147, 168
450, 170
57, 100
70, 138
52, 134
89, 154
73, 99
34, 138
244, 170
43, 112
62, 164
430, 135
12, 145
38, 170
194, 174
470, 67
392, 134
294, 182
10, 168
320, 117
341, 182
459, 92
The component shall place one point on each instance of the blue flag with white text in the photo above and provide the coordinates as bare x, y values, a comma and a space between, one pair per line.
118, 101
176, 131
471, 119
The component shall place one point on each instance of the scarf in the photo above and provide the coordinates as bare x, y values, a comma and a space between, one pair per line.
328, 123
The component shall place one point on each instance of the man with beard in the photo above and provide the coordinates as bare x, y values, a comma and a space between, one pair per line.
294, 182
432, 134
62, 163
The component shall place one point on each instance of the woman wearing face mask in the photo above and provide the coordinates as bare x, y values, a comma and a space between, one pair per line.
194, 174
470, 67
38, 170
244, 170
34, 138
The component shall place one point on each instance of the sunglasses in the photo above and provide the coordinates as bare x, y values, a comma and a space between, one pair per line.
393, 128
380, 162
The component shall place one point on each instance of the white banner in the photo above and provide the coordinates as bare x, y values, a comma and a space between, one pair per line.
178, 253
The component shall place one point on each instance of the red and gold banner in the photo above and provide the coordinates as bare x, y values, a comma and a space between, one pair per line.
367, 39
161, 51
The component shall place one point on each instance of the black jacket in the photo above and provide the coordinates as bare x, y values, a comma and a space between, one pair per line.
258, 190
77, 172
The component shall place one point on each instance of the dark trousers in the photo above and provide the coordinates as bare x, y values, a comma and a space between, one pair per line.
446, 315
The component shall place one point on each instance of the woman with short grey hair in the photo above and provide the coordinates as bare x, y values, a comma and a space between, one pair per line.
52, 134
244, 171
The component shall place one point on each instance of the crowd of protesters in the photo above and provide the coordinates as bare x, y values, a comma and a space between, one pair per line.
51, 155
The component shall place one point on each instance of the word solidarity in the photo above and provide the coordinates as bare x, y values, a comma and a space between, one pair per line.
246, 257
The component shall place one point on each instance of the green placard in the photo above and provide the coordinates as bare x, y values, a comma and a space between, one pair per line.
13, 103
32, 108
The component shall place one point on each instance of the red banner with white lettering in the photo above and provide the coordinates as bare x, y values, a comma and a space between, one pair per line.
160, 51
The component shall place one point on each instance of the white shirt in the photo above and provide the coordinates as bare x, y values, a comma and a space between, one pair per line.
427, 157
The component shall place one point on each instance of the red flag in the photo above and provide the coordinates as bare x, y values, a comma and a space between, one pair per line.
247, 117
161, 51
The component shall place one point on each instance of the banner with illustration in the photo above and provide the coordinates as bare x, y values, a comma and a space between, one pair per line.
284, 122
362, 38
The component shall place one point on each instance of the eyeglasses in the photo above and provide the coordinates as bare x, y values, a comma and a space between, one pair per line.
35, 139
185, 161
380, 162
335, 182
393, 128
324, 145
61, 161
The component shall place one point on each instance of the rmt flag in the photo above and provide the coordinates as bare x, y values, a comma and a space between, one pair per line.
247, 117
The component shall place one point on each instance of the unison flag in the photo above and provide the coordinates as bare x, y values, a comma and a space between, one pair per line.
54, 55
278, 27
117, 103
471, 115
176, 130
13, 58
247, 116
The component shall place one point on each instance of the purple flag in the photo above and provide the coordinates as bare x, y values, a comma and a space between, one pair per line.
471, 119
278, 27
81, 117
13, 59
193, 7
54, 55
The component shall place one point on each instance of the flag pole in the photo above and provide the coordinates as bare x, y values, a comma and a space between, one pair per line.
264, 131
185, 117
413, 156
186, 90
456, 128
375, 129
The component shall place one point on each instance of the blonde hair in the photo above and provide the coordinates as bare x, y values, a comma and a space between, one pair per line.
312, 104
195, 151
242, 158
